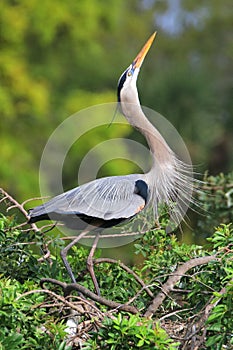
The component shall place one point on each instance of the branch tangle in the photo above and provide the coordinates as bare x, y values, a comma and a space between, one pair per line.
174, 278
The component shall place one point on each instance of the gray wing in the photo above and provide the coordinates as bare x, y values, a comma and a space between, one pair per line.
107, 198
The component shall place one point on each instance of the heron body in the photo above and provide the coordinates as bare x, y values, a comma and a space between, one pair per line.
108, 201
103, 202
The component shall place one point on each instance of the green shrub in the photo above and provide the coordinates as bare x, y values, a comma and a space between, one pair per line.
31, 318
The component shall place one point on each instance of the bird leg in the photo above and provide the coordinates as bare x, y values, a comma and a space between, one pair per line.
90, 265
64, 253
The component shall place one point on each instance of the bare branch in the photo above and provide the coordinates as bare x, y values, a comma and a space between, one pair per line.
34, 199
18, 206
199, 321
56, 296
176, 312
127, 269
174, 278
68, 288
45, 257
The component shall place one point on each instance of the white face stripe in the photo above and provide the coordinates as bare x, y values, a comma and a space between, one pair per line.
127, 80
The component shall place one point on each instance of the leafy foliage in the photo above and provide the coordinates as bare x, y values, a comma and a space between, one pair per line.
59, 57
23, 324
130, 332
220, 319
201, 300
216, 201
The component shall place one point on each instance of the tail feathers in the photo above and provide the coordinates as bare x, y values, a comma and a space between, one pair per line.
35, 218
37, 214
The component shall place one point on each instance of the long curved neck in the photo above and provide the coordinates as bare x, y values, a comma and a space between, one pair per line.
169, 180
161, 152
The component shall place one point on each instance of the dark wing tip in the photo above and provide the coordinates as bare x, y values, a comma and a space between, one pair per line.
37, 214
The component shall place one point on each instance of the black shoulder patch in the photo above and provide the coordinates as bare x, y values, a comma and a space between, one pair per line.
141, 188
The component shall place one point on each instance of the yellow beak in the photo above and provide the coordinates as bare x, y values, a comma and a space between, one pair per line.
142, 54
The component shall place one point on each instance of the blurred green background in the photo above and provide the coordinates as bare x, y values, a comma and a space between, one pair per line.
57, 57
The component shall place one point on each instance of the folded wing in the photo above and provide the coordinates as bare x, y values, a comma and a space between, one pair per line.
109, 198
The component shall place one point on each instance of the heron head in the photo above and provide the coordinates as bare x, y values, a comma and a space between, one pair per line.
129, 78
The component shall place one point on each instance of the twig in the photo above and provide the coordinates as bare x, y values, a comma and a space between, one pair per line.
56, 296
3, 198
45, 257
19, 227
127, 269
18, 206
173, 313
115, 235
34, 199
130, 301
25, 213
216, 188
173, 280
90, 304
15, 203
68, 288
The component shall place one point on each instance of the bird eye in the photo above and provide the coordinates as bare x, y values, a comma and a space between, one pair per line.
129, 73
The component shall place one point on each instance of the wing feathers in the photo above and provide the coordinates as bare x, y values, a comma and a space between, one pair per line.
107, 198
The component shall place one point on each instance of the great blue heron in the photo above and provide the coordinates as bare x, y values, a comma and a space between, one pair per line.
108, 201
